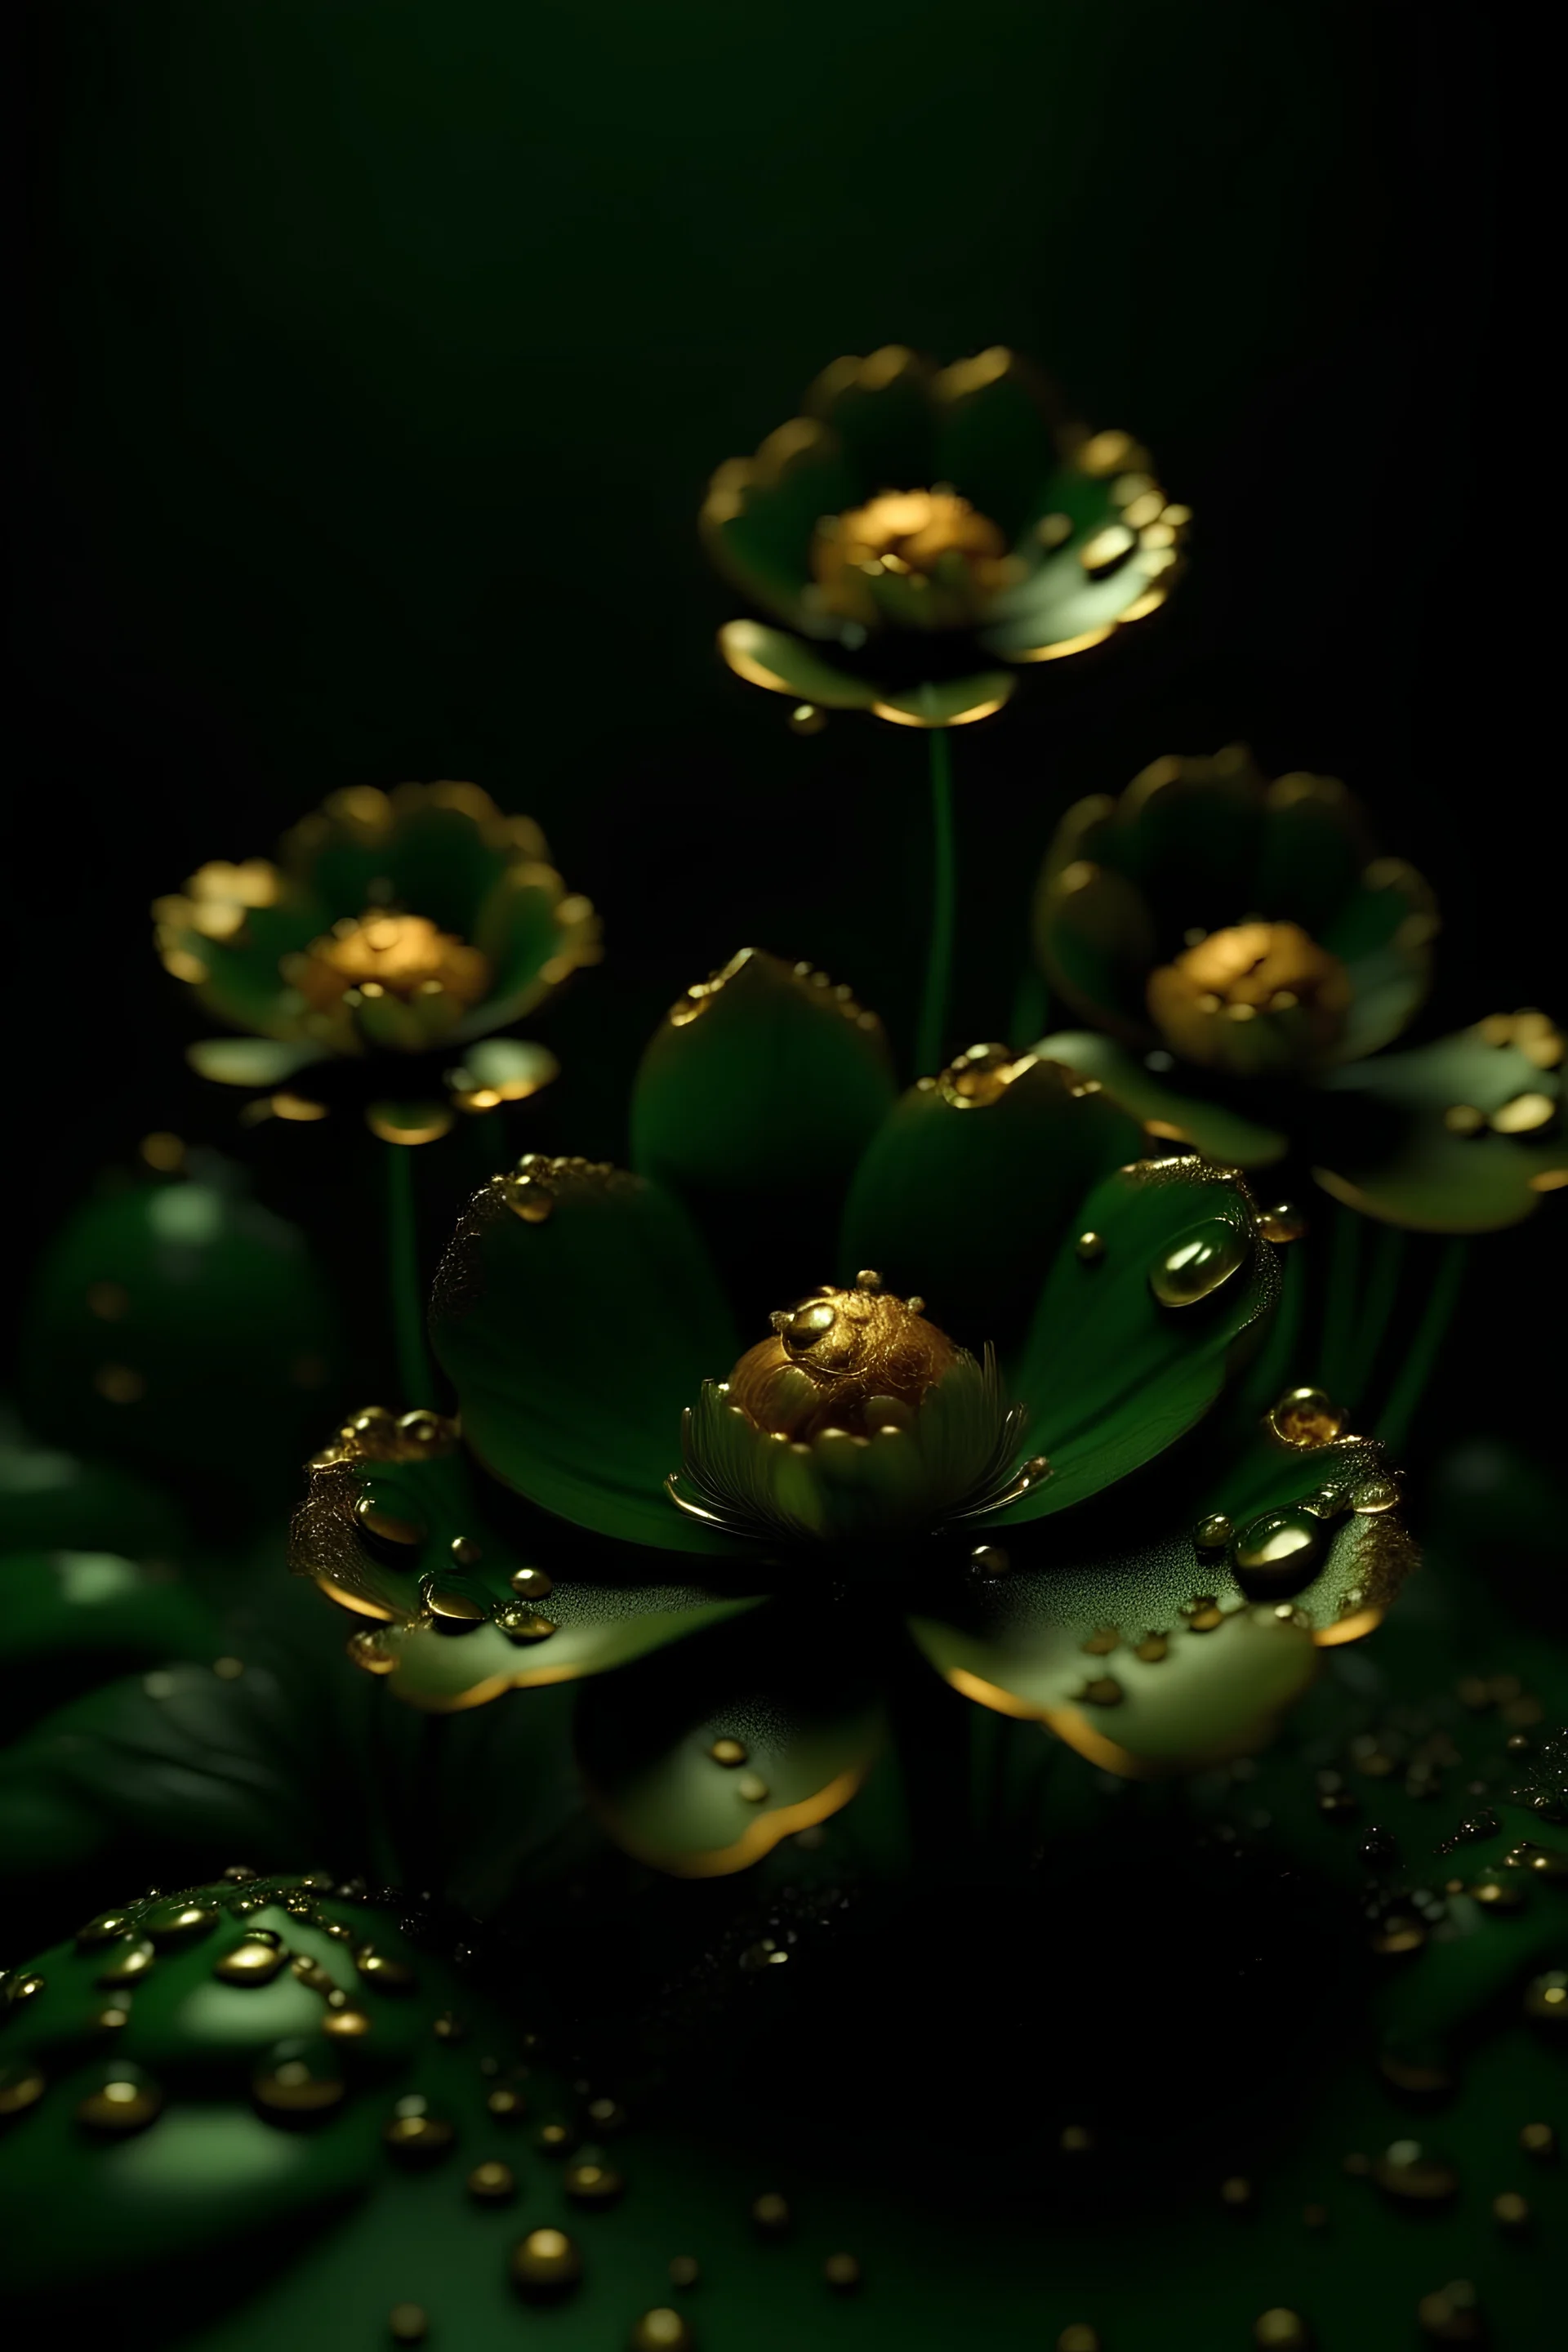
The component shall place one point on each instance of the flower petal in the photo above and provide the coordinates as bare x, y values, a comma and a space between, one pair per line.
997, 421
797, 1720
754, 1101
431, 849
451, 1610
787, 665
1382, 933
760, 512
972, 1184
536, 933
1114, 1368
249, 1061
577, 1314
881, 411
950, 702
1462, 1136
1098, 571
494, 1070
1150, 1653
1220, 1132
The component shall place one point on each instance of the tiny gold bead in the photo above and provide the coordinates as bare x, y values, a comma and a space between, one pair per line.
491, 2184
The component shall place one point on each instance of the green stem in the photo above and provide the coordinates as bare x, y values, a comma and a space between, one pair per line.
416, 1384
939, 959
1377, 1307
1421, 1357
1340, 1308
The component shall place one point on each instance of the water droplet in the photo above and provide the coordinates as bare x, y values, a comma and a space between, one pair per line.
392, 1526
684, 2270
1203, 1613
1281, 2330
384, 1974
532, 1583
1282, 1222
523, 1625
591, 2182
1198, 1262
1511, 2210
1213, 1533
990, 1560
661, 2330
408, 2323
1375, 1494
1452, 2315
731, 1752
1279, 1554
491, 2183
296, 2079
770, 2214
527, 1199
130, 1962
22, 2085
1103, 1691
842, 2272
1546, 1999
371, 1649
1539, 2140
1305, 1417
1091, 1248
250, 1963
1415, 2174
1152, 1648
178, 1921
416, 2139
125, 2102
545, 2262
465, 1552
752, 1788
806, 718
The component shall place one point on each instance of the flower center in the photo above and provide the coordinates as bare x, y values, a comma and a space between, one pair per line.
858, 1360
1253, 995
390, 955
908, 550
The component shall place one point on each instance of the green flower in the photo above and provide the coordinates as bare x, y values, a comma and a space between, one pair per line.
376, 961
729, 1568
922, 532
1243, 952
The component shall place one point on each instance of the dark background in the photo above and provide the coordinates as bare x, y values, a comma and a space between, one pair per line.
380, 351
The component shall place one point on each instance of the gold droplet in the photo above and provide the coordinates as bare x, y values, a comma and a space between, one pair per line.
1103, 1691
545, 2262
491, 2183
507, 2105
869, 1279
1152, 1648
1102, 1642
520, 1624
417, 2138
806, 718
22, 2086
1539, 2140
684, 2270
1213, 1533
106, 1928
252, 1962
608, 2115
752, 1788
312, 1974
527, 1198
532, 1583
729, 1751
449, 2027
555, 2139
589, 2182
127, 1965
125, 2103
1452, 2315
1236, 2192
344, 2023
392, 1526
1282, 1222
408, 2323
770, 2214
990, 1560
1281, 2330
465, 1552
661, 2330
1091, 1248
178, 1921
371, 1649
842, 2272
1203, 1613
1511, 2210
1198, 1262
1375, 1494
1523, 1114
1305, 1417
1546, 1999
1464, 1118
1413, 2174
1078, 2337
1279, 1554
452, 1610
293, 2082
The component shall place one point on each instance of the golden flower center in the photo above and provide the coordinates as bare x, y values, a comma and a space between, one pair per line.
856, 1360
395, 955
915, 536
1249, 969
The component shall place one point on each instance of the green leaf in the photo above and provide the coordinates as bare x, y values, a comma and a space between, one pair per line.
1148, 1652
71, 1619
1165, 1104
971, 1186
1462, 1136
801, 1700
249, 1061
577, 1315
787, 665
1111, 1374
754, 1101
49, 1498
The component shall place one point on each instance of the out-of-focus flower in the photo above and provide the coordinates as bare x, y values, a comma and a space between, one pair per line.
1243, 952
376, 960
920, 532
735, 1565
